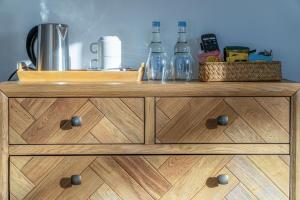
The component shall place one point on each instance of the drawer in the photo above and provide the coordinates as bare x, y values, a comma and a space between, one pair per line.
76, 120
223, 120
150, 177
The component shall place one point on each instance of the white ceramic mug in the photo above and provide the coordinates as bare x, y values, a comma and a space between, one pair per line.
109, 53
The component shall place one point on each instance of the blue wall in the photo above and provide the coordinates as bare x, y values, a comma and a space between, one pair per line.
260, 24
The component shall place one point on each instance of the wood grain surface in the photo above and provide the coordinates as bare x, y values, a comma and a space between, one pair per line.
150, 120
295, 148
142, 89
251, 120
4, 155
139, 177
167, 149
104, 120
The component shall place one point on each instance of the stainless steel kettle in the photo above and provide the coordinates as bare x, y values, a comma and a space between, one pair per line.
52, 47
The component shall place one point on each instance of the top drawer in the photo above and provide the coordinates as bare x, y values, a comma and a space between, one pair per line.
95, 120
223, 120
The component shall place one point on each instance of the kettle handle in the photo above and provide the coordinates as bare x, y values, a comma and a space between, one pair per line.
92, 49
31, 38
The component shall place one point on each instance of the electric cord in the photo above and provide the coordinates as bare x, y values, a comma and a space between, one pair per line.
14, 73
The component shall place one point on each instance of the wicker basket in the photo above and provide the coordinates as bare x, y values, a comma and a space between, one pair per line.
240, 71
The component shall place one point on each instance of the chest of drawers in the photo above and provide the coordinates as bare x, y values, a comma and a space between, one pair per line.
139, 141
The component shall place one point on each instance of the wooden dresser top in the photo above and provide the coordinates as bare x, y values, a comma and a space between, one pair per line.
142, 89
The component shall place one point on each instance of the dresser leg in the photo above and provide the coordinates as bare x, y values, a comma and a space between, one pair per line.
4, 147
295, 147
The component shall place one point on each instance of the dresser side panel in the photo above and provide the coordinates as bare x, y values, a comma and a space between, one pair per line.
4, 147
295, 147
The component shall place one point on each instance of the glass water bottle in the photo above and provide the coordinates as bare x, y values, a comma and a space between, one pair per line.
157, 58
182, 61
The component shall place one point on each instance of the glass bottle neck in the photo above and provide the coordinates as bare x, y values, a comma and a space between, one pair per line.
156, 37
182, 37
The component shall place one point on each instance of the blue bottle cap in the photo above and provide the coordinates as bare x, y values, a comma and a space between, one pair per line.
182, 23
156, 24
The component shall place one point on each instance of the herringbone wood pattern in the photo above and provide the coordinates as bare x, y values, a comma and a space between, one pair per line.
150, 177
251, 120
104, 120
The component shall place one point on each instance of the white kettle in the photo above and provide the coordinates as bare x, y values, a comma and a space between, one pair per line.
109, 53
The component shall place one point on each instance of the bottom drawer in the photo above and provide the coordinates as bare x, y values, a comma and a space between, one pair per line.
149, 177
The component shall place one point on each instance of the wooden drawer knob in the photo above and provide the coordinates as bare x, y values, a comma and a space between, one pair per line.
223, 120
75, 179
76, 121
223, 179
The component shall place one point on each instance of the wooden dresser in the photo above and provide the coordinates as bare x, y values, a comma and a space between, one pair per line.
150, 141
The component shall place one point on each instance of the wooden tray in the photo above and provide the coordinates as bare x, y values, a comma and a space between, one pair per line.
80, 76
